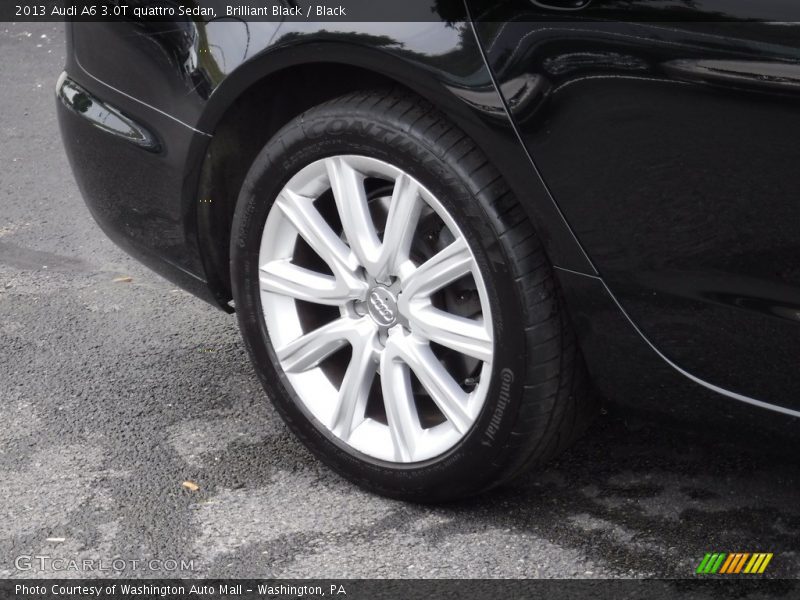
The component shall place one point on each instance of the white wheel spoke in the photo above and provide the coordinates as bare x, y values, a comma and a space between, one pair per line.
401, 411
463, 335
441, 386
401, 223
440, 270
351, 404
310, 224
282, 277
310, 349
347, 185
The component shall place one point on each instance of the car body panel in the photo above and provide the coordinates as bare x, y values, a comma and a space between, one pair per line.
671, 147
155, 69
635, 310
133, 190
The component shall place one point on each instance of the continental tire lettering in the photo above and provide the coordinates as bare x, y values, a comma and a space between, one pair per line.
316, 129
503, 399
336, 126
339, 125
368, 129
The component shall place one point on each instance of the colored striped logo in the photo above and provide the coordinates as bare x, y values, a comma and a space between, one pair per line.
734, 563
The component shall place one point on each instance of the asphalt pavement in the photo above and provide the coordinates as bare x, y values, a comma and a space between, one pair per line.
116, 388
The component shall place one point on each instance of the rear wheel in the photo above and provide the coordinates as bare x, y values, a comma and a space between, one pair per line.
397, 305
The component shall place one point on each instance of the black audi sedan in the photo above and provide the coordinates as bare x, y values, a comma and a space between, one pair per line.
445, 238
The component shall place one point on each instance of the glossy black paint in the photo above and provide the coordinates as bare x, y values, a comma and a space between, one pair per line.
626, 369
667, 149
672, 149
196, 72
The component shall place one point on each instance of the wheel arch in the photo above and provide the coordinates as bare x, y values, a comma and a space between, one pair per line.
247, 97
245, 112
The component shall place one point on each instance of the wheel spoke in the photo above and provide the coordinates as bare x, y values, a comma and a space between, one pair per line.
313, 228
398, 399
401, 223
282, 277
351, 404
310, 349
433, 376
351, 200
440, 270
463, 335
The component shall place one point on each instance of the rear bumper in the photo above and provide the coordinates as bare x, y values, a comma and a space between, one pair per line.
136, 169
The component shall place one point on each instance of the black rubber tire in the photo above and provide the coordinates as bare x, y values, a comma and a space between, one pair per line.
538, 401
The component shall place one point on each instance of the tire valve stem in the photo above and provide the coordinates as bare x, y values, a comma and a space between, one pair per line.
471, 382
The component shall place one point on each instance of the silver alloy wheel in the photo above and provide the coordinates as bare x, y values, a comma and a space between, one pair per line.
376, 308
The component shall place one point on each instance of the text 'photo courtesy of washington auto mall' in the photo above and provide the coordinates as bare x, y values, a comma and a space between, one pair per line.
367, 299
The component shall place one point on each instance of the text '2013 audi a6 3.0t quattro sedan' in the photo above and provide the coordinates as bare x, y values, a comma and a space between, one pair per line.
445, 238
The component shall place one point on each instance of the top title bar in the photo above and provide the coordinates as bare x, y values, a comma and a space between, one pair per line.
242, 10
360, 10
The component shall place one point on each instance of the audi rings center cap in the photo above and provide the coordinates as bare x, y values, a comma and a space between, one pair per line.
382, 306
